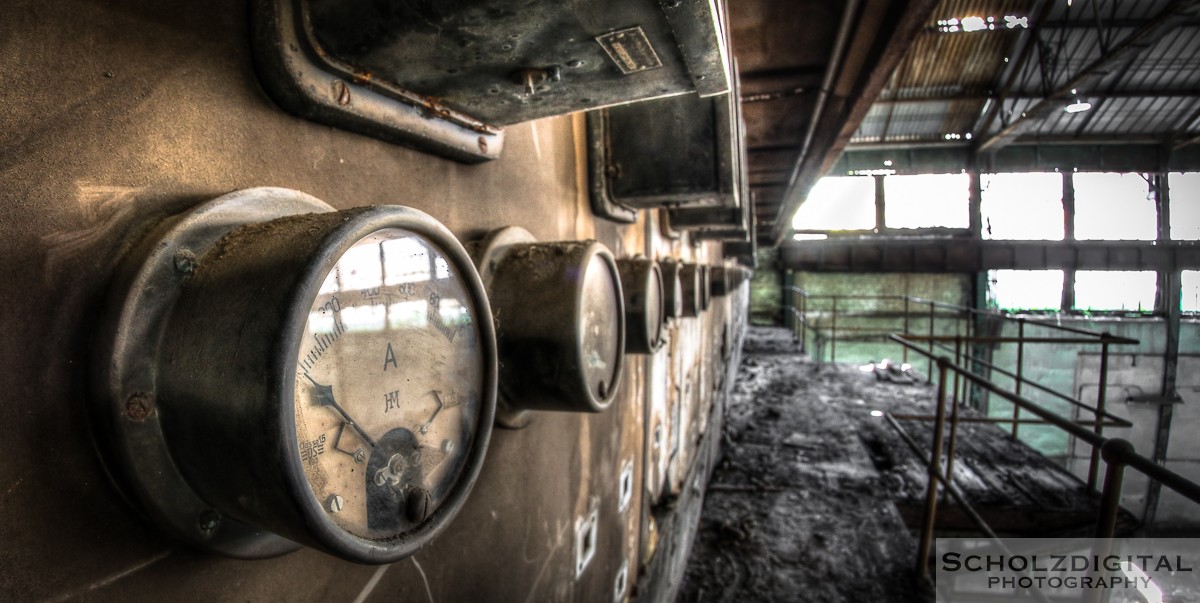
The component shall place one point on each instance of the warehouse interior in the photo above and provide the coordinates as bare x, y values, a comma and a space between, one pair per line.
629, 300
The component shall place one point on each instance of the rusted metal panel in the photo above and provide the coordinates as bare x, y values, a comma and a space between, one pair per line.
99, 146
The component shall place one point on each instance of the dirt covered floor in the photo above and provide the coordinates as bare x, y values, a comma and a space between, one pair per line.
796, 510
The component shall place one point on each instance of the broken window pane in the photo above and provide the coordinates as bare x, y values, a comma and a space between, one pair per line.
1189, 298
1114, 207
1131, 290
1022, 207
927, 200
1026, 289
1185, 205
838, 203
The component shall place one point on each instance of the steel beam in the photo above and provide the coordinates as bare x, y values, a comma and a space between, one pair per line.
1127, 49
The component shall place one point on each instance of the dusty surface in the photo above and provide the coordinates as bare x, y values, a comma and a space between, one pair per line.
811, 500
794, 511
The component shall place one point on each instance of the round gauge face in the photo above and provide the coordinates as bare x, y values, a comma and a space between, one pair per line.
389, 385
600, 328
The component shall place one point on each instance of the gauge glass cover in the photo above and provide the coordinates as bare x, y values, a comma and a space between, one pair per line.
389, 383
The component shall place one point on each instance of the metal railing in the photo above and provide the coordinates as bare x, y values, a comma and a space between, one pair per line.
809, 318
1117, 453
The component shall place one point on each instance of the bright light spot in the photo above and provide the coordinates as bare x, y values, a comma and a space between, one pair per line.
1022, 206
1185, 205
906, 367
974, 24
887, 162
1013, 22
926, 200
1005, 59
800, 236
1074, 91
866, 368
1131, 290
968, 135
838, 203
1075, 107
876, 413
1189, 298
1114, 207
1026, 289
879, 172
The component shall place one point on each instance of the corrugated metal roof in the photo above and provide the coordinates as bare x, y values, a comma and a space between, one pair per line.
950, 79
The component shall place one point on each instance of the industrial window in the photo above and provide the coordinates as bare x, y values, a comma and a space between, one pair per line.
1115, 290
1026, 289
1185, 205
1189, 299
927, 200
1114, 207
1023, 207
838, 203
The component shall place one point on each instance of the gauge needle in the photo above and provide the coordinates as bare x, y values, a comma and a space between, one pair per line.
325, 398
437, 398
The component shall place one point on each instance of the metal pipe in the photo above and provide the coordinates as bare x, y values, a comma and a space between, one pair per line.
929, 374
905, 328
935, 461
1078, 431
1020, 372
1062, 340
1115, 452
1101, 399
803, 322
953, 420
833, 334
1005, 420
841, 41
1064, 397
959, 498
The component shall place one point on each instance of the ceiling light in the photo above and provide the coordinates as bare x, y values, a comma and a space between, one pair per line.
1077, 107
973, 24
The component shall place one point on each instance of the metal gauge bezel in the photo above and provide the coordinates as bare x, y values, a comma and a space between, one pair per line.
645, 330
486, 253
331, 536
149, 324
126, 422
498, 259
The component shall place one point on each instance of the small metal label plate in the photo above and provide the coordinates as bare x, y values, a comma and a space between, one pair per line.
630, 49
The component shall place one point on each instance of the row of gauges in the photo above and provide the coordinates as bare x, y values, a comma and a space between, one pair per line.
276, 373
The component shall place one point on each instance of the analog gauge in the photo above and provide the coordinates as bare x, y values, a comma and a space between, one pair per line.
315, 377
388, 385
690, 276
561, 323
642, 283
672, 289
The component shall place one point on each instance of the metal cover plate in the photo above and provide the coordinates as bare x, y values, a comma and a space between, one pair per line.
509, 61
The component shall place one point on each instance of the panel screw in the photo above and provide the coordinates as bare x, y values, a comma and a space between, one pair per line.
341, 92
208, 522
139, 406
185, 261
418, 505
483, 146
335, 503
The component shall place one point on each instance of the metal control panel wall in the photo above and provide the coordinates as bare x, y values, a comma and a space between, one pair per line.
130, 113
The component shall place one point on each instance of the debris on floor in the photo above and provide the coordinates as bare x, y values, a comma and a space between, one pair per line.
793, 512
817, 495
